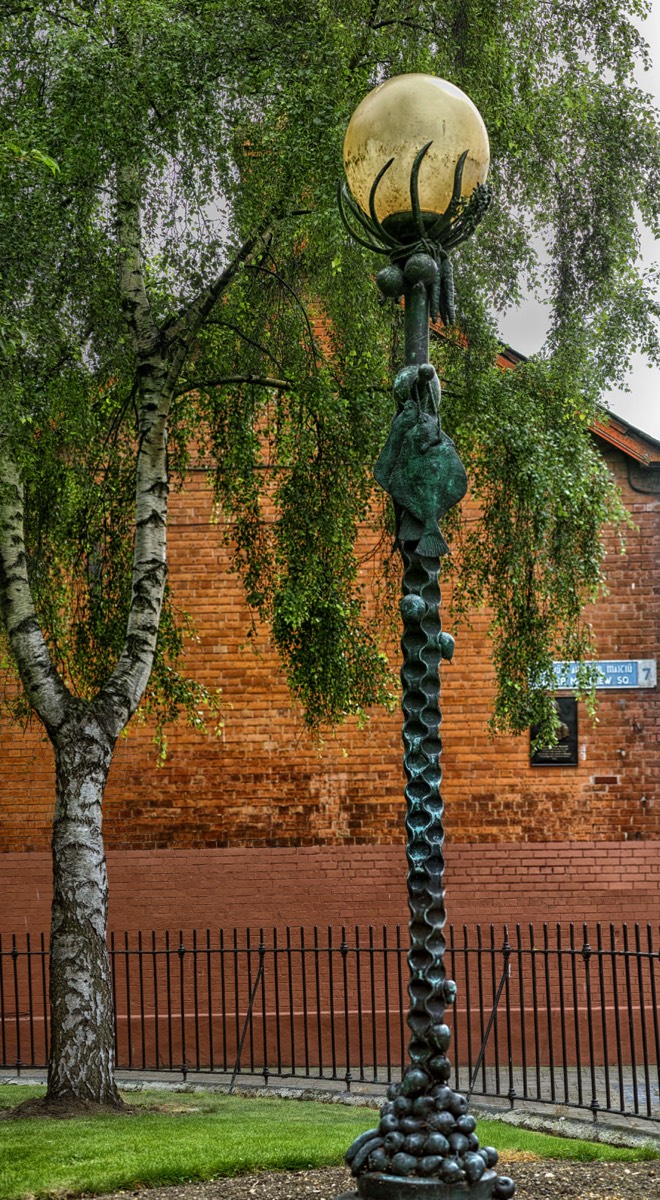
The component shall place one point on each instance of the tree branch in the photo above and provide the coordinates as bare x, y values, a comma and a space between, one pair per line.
259, 380
375, 5
134, 299
220, 323
119, 697
402, 21
273, 274
184, 327
44, 689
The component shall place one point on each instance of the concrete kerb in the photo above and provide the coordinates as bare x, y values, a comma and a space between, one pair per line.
559, 1121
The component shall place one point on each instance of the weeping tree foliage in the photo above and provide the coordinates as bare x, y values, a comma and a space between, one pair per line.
181, 285
575, 166
545, 495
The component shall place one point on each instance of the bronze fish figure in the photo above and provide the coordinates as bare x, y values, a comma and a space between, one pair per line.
419, 466
426, 483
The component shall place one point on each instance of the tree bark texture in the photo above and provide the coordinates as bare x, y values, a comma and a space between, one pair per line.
82, 1027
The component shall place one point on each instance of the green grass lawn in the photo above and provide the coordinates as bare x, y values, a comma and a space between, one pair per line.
200, 1135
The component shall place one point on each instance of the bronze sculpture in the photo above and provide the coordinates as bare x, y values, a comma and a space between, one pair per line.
425, 1143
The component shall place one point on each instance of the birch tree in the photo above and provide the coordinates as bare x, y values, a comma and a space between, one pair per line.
162, 294
110, 275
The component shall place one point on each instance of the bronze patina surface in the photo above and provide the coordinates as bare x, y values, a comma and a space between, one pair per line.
425, 1146
393, 1187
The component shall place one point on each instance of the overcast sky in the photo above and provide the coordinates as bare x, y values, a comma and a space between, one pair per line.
524, 328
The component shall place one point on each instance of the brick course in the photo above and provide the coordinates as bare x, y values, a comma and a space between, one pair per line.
333, 885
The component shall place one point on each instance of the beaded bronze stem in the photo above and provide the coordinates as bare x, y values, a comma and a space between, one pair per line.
425, 1143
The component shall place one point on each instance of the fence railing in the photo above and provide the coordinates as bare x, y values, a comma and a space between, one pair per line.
564, 1015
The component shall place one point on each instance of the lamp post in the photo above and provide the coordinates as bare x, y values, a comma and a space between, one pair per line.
416, 157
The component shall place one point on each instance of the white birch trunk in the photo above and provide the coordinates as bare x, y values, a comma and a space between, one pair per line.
82, 1053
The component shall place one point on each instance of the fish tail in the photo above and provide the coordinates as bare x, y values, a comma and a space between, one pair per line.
432, 545
409, 529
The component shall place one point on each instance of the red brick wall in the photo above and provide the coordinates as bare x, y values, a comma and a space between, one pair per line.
264, 788
512, 882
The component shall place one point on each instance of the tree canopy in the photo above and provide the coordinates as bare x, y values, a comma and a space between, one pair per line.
220, 126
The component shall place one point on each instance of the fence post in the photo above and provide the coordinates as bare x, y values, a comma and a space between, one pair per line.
506, 954
253, 993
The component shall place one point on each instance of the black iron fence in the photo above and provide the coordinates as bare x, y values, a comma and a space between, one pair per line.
566, 1015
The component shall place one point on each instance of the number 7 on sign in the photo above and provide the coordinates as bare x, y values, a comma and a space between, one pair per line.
647, 672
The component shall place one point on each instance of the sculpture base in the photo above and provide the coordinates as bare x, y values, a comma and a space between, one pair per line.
399, 1187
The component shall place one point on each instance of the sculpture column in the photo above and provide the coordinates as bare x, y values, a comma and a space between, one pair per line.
425, 1143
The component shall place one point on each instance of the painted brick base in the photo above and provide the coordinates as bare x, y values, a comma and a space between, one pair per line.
514, 882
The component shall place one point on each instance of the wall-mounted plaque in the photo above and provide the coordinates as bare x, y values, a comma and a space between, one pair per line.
565, 752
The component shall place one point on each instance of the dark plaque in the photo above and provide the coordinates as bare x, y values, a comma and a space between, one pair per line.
565, 752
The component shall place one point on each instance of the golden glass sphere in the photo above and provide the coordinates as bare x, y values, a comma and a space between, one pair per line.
396, 120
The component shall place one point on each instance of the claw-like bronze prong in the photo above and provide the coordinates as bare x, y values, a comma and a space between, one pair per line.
345, 200
382, 233
414, 189
458, 178
445, 220
361, 217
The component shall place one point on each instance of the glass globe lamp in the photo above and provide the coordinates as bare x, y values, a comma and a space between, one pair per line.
395, 122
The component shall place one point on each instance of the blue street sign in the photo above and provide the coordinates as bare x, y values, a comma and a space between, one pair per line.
612, 673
